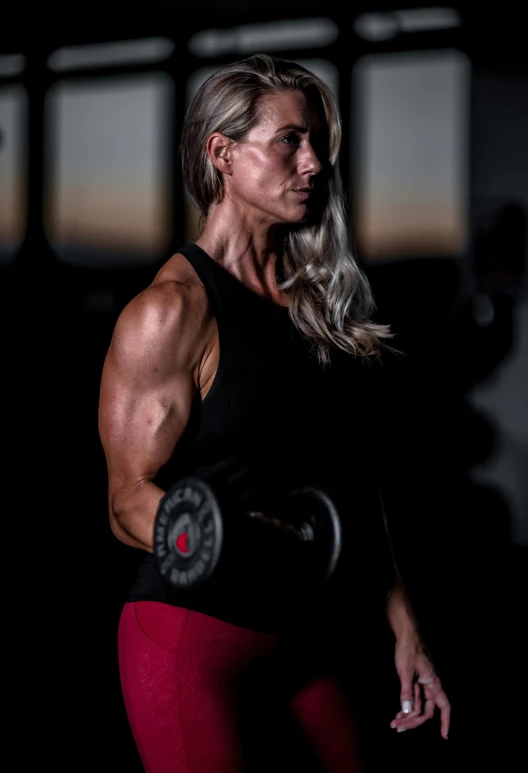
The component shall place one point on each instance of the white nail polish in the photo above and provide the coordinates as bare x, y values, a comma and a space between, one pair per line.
407, 707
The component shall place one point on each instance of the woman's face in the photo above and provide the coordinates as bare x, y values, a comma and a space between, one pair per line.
275, 169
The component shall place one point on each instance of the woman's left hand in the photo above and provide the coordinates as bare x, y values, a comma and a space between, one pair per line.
421, 690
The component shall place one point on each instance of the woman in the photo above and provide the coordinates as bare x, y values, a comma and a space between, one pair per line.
237, 364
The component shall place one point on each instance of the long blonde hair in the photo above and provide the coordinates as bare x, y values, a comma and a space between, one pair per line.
331, 300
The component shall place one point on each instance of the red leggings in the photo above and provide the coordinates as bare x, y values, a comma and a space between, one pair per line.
188, 681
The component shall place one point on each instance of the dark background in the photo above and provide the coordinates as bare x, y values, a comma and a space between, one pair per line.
460, 544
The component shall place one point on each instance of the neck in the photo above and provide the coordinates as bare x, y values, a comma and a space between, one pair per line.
249, 254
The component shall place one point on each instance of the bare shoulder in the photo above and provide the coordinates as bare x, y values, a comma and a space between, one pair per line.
177, 269
172, 316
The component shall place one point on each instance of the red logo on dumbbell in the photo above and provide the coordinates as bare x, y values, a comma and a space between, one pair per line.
184, 535
182, 542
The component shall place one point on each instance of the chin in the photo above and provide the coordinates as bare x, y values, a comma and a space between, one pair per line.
298, 216
307, 217
301, 216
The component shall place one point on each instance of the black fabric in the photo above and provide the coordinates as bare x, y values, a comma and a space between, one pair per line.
275, 420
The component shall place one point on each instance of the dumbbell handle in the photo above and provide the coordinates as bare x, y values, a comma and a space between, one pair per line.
304, 532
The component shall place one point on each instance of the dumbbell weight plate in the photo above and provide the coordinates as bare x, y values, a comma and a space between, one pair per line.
188, 533
318, 522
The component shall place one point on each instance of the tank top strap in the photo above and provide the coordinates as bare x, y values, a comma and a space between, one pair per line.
234, 305
213, 277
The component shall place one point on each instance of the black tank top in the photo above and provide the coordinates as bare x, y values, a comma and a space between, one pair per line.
273, 420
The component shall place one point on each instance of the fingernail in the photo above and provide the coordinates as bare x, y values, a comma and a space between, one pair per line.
407, 707
401, 730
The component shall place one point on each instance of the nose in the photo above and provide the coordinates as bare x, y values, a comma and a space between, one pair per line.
309, 162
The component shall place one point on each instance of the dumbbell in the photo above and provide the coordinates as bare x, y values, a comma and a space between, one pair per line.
198, 530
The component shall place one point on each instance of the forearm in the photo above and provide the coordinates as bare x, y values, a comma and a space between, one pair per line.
133, 513
400, 614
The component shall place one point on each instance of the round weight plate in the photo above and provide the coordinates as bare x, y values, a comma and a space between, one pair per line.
319, 523
188, 533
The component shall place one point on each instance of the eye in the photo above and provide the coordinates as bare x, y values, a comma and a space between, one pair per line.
291, 139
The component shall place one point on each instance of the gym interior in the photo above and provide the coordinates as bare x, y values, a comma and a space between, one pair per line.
434, 161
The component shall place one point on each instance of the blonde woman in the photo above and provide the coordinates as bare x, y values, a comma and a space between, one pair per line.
237, 365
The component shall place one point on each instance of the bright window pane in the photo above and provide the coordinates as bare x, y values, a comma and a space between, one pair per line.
410, 162
12, 177
109, 145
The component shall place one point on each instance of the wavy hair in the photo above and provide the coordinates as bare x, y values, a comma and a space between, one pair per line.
331, 300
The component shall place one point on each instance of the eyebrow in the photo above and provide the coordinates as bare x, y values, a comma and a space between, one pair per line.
293, 127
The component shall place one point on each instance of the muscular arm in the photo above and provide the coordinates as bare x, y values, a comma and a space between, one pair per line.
148, 383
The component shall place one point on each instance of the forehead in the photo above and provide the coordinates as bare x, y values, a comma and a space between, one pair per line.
284, 108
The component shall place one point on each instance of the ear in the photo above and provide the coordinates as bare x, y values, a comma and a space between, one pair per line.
218, 148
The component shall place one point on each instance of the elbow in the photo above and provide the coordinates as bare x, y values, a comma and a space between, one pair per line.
115, 527
131, 514
117, 518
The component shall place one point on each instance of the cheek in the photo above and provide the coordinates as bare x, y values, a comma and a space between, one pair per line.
260, 171
261, 178
261, 183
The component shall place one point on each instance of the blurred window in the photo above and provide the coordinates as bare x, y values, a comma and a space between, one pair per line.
13, 183
410, 115
109, 146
